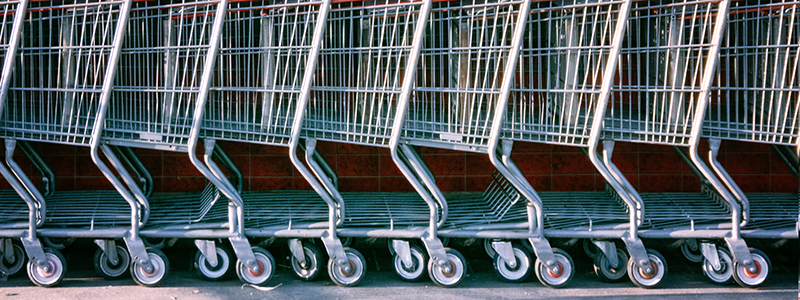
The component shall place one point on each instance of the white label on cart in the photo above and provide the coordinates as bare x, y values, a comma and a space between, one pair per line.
451, 136
150, 136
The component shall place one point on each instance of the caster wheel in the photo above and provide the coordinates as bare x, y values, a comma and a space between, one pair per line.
749, 279
310, 270
213, 273
109, 270
724, 275
417, 269
58, 243
58, 267
160, 269
519, 272
358, 268
266, 268
652, 279
458, 268
604, 270
556, 280
590, 249
692, 255
13, 269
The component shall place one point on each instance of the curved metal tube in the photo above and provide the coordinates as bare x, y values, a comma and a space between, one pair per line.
34, 205
47, 174
327, 183
97, 130
727, 180
130, 182
635, 206
223, 157
439, 214
327, 195
502, 164
25, 188
132, 160
700, 112
401, 110
209, 170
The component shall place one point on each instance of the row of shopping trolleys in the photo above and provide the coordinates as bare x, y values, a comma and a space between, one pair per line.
469, 75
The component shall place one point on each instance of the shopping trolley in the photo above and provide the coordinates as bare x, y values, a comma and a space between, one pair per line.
755, 99
562, 94
263, 76
461, 90
677, 43
158, 101
361, 85
17, 213
61, 74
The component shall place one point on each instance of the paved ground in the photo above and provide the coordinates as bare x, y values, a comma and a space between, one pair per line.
685, 281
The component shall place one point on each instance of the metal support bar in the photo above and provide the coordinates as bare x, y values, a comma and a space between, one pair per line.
789, 157
133, 161
403, 250
25, 188
138, 252
609, 249
627, 188
436, 251
35, 253
637, 252
48, 177
321, 174
711, 255
727, 180
244, 252
109, 247
223, 157
336, 251
209, 250
506, 251
7, 250
296, 247
741, 253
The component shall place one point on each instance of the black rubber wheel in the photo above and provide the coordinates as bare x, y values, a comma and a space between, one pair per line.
112, 271
607, 273
311, 270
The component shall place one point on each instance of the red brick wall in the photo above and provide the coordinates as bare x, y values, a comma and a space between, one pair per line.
650, 168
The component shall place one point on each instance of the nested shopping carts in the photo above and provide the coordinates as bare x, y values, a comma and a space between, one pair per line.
755, 99
361, 88
17, 214
461, 91
158, 101
566, 70
62, 71
258, 95
677, 43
